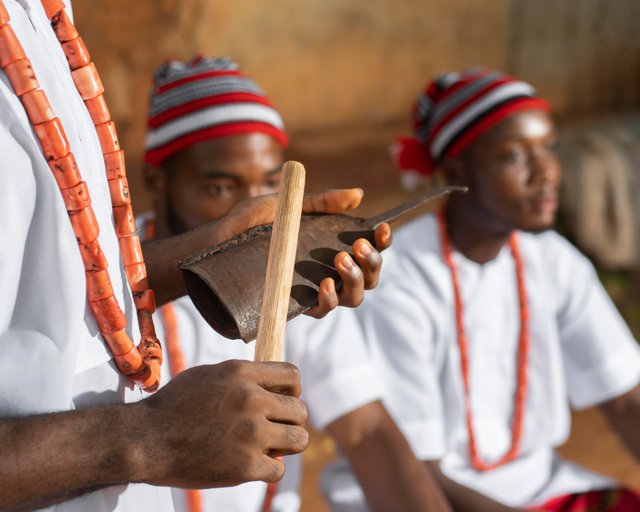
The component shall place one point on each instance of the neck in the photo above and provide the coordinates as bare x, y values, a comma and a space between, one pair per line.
471, 235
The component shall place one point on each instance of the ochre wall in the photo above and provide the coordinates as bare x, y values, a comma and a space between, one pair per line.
324, 63
352, 67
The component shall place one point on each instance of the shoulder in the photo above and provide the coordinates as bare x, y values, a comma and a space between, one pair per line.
415, 247
418, 235
554, 253
414, 261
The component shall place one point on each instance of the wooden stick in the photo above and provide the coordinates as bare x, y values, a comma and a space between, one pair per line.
282, 255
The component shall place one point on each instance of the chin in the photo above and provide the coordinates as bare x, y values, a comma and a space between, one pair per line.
537, 225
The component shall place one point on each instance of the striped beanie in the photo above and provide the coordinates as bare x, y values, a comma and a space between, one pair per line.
203, 99
454, 110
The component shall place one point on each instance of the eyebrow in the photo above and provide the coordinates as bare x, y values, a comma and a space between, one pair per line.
213, 174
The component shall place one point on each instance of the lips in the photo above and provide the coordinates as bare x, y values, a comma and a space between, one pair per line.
545, 204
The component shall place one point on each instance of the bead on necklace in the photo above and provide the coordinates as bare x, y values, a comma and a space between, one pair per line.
141, 363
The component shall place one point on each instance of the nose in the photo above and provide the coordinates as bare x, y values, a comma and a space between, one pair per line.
255, 190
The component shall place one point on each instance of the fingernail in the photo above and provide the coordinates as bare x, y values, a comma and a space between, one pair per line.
330, 287
347, 263
365, 250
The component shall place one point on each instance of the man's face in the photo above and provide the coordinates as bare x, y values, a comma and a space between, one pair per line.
513, 173
208, 178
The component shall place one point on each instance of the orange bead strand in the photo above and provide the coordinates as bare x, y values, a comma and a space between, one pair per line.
142, 363
463, 345
21, 74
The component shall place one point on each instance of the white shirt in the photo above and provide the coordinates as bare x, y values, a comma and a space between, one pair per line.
581, 353
328, 368
51, 355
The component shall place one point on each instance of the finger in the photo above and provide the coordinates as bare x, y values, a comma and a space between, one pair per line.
285, 409
383, 236
273, 469
261, 210
327, 299
286, 440
282, 378
332, 201
370, 262
245, 215
352, 292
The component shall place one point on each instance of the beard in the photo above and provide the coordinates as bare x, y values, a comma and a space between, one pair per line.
175, 225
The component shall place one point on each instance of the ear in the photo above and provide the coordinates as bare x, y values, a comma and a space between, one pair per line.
455, 172
154, 180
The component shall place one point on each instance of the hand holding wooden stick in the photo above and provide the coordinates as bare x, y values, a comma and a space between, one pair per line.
280, 265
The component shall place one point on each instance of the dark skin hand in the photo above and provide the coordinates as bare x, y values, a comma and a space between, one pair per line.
218, 188
161, 256
182, 437
389, 473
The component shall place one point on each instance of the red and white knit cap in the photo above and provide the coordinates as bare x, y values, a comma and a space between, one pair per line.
203, 99
454, 110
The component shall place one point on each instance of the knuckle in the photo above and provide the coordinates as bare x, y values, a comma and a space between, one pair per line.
303, 439
275, 472
304, 412
247, 397
233, 367
296, 439
254, 467
293, 371
371, 283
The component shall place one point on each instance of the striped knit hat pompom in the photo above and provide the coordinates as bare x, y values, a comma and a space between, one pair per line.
453, 111
202, 99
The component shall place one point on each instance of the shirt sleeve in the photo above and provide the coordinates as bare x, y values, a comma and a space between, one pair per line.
601, 356
399, 328
338, 375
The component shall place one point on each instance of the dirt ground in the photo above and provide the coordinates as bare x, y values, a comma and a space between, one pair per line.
360, 159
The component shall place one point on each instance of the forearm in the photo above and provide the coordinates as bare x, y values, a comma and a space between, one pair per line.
50, 458
464, 499
623, 414
162, 257
388, 471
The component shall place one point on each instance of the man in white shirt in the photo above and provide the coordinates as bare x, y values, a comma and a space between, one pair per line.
487, 327
66, 434
213, 140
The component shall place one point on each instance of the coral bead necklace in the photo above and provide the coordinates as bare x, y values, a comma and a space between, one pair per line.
463, 346
141, 363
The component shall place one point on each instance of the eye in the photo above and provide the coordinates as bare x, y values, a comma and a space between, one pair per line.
218, 189
514, 155
272, 183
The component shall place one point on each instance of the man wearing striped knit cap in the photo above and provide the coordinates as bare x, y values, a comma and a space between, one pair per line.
214, 139
487, 326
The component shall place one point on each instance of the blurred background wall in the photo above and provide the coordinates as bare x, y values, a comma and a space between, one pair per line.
352, 67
